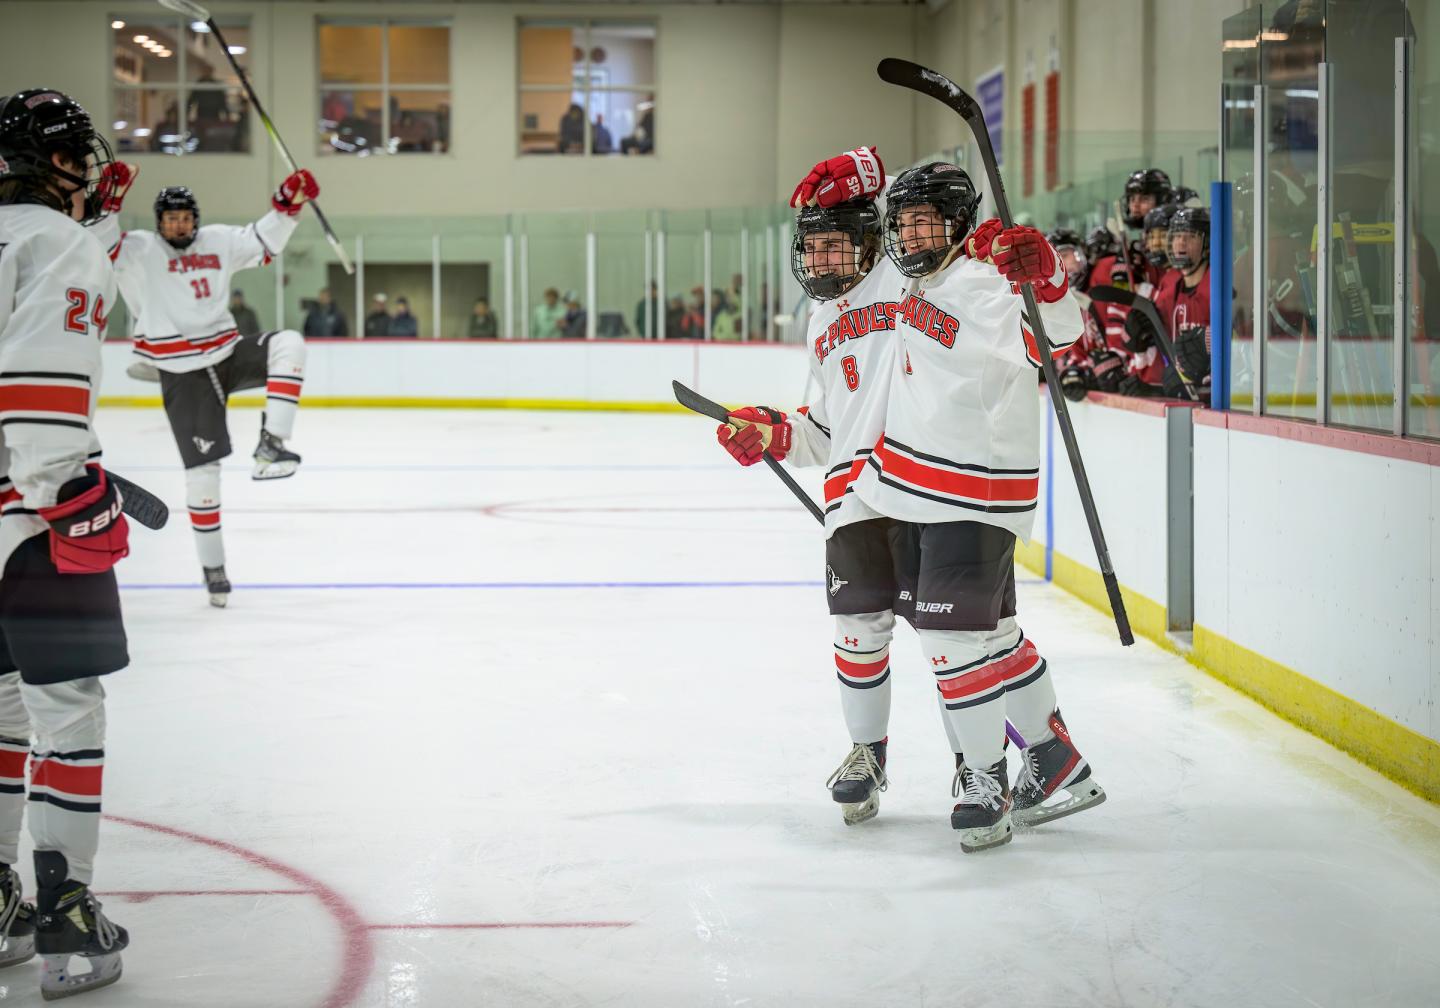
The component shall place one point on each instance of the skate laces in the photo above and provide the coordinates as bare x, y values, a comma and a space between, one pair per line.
981, 788
12, 904
860, 764
1029, 779
105, 932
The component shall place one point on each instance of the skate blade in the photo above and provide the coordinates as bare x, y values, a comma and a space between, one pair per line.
985, 837
273, 470
57, 981
16, 950
857, 812
220, 601
1079, 797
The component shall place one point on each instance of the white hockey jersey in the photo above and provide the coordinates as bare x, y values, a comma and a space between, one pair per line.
180, 300
854, 347
962, 427
56, 289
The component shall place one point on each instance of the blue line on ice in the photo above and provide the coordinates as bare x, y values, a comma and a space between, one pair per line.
490, 585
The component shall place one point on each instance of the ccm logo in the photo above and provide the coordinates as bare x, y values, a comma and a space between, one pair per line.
934, 607
96, 525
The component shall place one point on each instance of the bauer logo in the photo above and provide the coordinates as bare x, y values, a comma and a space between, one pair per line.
935, 607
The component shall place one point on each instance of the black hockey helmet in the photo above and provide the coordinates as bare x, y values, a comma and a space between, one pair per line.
177, 197
1064, 240
1100, 243
949, 190
1156, 239
859, 222
1145, 182
1190, 220
36, 124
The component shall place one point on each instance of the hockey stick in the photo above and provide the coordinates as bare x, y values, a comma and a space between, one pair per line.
198, 13
915, 77
139, 503
693, 400
1146, 307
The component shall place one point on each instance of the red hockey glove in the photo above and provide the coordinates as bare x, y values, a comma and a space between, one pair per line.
840, 179
1024, 256
116, 178
88, 534
752, 431
294, 191
979, 242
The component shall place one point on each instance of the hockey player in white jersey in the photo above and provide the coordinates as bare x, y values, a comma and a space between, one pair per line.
61, 533
176, 283
959, 465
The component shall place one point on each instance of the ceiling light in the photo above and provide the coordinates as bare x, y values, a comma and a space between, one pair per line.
117, 24
142, 39
120, 124
199, 26
237, 50
142, 132
162, 53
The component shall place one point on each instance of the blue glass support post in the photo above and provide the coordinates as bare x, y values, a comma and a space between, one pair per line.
1222, 288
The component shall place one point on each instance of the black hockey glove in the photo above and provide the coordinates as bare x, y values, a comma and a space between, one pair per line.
1193, 354
1107, 368
1132, 386
1074, 383
1139, 333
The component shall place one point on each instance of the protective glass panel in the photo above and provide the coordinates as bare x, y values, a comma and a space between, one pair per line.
625, 52
419, 122
1360, 46
620, 266
549, 52
727, 278
1292, 45
205, 63
146, 52
555, 246
685, 278
350, 122
147, 120
622, 122
1422, 326
1239, 75
551, 123
419, 54
472, 278
349, 54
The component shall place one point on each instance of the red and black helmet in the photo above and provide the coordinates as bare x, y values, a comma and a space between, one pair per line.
38, 123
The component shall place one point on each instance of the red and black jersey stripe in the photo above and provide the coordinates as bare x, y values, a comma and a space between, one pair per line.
162, 348
56, 398
961, 484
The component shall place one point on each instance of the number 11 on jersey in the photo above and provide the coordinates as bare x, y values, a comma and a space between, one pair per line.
202, 288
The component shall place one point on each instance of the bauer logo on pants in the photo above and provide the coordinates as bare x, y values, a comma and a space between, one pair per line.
835, 583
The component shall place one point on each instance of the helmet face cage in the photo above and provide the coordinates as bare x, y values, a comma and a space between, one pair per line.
39, 123
1071, 250
177, 198
849, 233
1193, 221
1146, 182
942, 188
1100, 243
1157, 234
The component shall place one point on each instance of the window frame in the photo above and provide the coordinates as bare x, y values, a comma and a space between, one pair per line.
182, 88
384, 87
585, 73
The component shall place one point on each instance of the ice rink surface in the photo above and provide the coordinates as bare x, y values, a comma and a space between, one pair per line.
536, 709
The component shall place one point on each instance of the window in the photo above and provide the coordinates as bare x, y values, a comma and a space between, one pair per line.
173, 91
587, 87
384, 87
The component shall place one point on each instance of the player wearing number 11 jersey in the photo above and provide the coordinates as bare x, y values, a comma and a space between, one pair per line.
176, 283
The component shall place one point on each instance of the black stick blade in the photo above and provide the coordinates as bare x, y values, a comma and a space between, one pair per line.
697, 403
905, 74
139, 503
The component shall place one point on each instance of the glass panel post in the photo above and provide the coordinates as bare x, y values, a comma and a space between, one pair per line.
1324, 281
509, 324
661, 302
743, 307
591, 288
524, 286
1258, 256
769, 287
646, 299
359, 286
1400, 327
706, 297
435, 286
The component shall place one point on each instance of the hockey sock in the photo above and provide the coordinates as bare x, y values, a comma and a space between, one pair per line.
14, 751
285, 376
972, 692
862, 663
202, 498
1029, 690
65, 774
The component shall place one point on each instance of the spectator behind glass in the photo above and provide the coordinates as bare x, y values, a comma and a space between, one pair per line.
642, 141
548, 316
643, 308
573, 325
692, 326
724, 319
572, 131
483, 324
600, 141
402, 323
324, 318
377, 323
675, 318
245, 321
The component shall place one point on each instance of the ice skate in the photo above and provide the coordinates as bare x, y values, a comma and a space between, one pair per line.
857, 782
70, 926
1049, 769
17, 922
983, 814
272, 459
218, 585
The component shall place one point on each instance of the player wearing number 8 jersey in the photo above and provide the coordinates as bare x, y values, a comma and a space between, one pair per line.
176, 283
